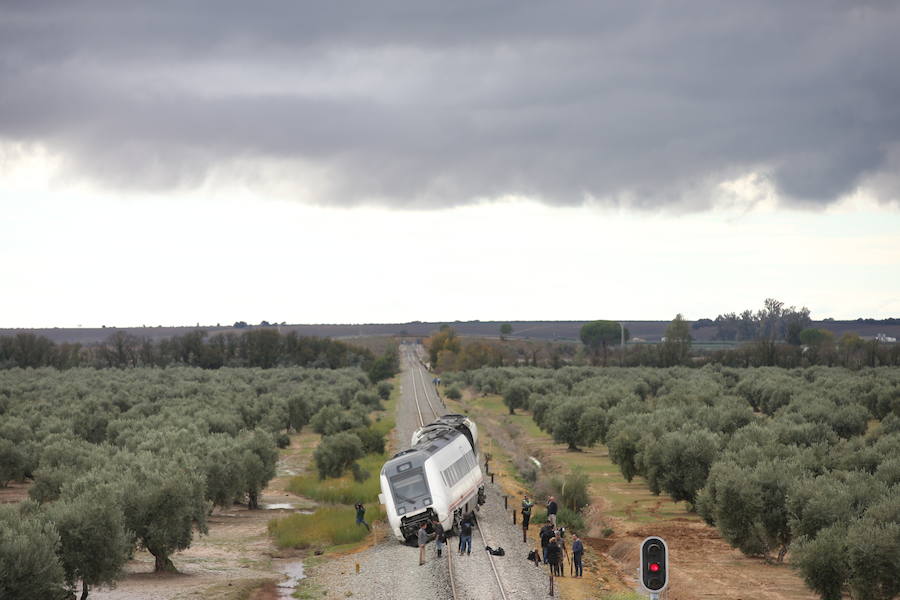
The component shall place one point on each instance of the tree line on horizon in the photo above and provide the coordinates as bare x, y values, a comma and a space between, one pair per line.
263, 348
775, 335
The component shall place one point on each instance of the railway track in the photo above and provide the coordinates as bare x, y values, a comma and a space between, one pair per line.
417, 369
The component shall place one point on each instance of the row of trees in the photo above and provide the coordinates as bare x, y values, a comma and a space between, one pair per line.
265, 348
805, 461
137, 458
450, 352
774, 339
773, 321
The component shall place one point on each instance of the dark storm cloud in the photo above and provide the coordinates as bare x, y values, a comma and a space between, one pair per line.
434, 103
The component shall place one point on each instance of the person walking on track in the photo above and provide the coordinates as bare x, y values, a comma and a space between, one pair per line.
423, 539
465, 537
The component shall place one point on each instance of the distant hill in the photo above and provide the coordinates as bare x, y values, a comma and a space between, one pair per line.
650, 331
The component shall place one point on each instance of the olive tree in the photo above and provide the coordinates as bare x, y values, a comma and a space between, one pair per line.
679, 462
258, 459
822, 561
331, 419
162, 503
94, 546
335, 453
515, 395
29, 567
13, 462
749, 505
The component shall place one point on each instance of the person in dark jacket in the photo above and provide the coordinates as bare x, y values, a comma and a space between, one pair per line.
552, 509
361, 515
577, 553
554, 557
423, 540
439, 536
546, 534
465, 537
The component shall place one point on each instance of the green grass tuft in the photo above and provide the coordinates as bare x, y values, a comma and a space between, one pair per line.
345, 489
328, 526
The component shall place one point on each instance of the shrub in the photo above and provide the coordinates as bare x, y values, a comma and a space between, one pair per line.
570, 519
359, 474
573, 493
336, 453
283, 440
453, 393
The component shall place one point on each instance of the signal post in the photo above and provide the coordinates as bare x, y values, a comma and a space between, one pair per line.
654, 569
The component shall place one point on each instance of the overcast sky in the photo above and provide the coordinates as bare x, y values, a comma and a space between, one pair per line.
182, 162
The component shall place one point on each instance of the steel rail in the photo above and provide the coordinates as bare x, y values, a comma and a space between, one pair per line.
420, 371
496, 573
450, 569
493, 566
416, 396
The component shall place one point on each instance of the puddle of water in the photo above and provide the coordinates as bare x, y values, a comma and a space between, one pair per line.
286, 506
294, 573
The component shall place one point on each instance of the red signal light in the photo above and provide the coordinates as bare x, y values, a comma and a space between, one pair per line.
654, 567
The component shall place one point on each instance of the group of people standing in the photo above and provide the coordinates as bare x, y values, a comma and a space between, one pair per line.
440, 537
553, 542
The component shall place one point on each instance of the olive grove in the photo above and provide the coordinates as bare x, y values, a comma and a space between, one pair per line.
125, 459
800, 461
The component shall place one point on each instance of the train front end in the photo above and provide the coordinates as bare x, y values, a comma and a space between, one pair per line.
406, 495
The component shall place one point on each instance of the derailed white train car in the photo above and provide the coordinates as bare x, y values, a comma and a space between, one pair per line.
437, 479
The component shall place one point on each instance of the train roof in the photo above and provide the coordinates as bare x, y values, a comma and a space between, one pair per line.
433, 439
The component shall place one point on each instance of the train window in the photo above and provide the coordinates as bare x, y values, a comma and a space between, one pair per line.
458, 469
410, 486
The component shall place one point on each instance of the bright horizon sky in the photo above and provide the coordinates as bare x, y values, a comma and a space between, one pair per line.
75, 256
389, 162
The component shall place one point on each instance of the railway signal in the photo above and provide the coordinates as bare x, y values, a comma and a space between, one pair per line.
654, 565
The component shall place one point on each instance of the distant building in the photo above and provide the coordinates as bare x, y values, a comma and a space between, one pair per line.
883, 337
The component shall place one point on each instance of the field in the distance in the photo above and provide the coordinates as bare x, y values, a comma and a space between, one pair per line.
650, 331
